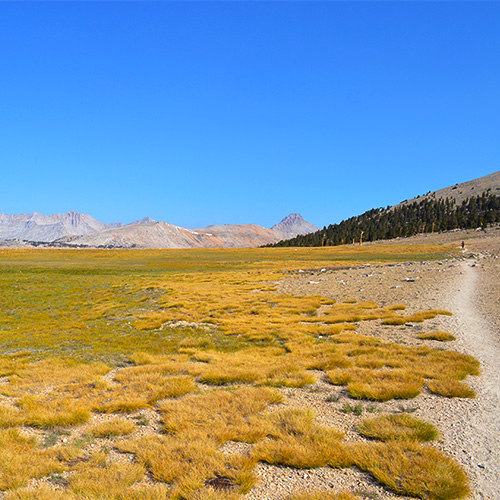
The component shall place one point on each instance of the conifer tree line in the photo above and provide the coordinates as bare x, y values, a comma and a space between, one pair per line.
424, 216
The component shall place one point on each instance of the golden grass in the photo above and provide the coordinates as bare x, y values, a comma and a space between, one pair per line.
440, 336
220, 416
263, 366
413, 469
188, 465
298, 442
400, 427
150, 492
382, 371
100, 479
383, 385
22, 460
451, 388
417, 317
110, 428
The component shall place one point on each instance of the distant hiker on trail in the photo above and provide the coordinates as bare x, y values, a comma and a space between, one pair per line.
463, 245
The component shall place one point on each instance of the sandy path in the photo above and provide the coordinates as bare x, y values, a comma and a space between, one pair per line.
480, 434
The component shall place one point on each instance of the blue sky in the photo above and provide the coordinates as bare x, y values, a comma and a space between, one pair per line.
200, 113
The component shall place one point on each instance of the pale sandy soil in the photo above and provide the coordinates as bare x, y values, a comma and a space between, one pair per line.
468, 286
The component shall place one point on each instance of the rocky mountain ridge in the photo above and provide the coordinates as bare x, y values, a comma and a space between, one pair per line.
46, 228
74, 229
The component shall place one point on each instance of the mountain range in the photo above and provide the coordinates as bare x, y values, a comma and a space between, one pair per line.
75, 229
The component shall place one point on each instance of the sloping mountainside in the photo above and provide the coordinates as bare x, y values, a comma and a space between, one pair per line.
294, 225
489, 184
442, 210
46, 228
163, 235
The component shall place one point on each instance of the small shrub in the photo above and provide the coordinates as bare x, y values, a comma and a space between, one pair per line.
83, 441
356, 409
407, 408
141, 420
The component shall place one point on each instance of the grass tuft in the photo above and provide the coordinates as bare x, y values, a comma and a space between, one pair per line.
413, 469
451, 388
399, 427
440, 336
298, 442
111, 428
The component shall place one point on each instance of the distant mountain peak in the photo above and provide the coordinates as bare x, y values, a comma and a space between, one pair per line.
294, 224
144, 220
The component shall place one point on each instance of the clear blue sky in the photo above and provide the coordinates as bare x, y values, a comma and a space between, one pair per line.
200, 113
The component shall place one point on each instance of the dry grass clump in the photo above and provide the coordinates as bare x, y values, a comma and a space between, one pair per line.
220, 416
51, 410
413, 469
383, 385
111, 428
188, 465
399, 427
213, 494
395, 321
381, 371
396, 307
22, 460
441, 336
298, 442
418, 317
100, 479
131, 390
451, 388
264, 366
322, 495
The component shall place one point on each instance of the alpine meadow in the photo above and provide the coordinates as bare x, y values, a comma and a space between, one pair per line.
143, 374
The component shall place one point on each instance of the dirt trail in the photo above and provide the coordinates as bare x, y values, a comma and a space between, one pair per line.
480, 433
